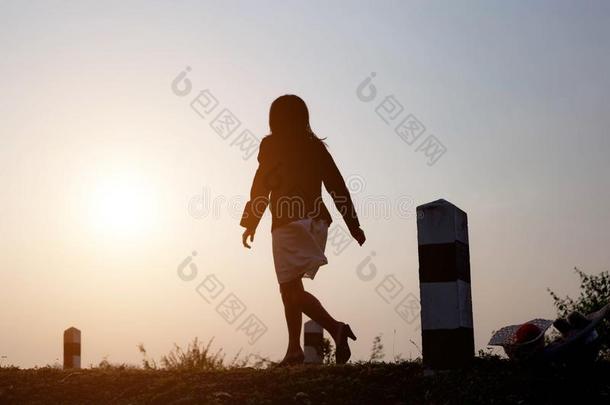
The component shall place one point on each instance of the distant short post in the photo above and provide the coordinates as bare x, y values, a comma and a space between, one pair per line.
313, 343
71, 348
444, 285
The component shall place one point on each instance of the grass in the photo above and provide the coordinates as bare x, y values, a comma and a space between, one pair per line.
489, 381
197, 374
198, 356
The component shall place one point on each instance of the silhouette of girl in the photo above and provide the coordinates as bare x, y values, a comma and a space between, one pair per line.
293, 164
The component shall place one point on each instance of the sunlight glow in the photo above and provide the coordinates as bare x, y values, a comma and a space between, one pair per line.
122, 206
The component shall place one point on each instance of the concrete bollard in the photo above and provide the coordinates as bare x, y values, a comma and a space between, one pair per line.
313, 343
71, 348
444, 285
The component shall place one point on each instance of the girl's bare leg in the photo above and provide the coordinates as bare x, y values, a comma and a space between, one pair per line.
295, 296
313, 308
291, 297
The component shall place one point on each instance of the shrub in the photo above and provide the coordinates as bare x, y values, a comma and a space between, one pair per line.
199, 357
377, 353
328, 351
594, 294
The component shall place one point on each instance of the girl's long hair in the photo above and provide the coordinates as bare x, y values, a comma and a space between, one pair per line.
289, 116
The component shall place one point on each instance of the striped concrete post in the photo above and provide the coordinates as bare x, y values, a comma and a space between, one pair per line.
313, 342
444, 285
71, 348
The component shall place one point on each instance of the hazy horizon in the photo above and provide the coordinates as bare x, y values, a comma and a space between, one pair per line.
102, 164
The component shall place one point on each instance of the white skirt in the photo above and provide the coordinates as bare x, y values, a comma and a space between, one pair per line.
298, 249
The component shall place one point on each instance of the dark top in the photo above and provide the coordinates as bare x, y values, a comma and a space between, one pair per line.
289, 178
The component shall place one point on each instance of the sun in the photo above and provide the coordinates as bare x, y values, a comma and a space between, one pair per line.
122, 205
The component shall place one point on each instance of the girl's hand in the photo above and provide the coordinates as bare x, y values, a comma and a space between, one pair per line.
358, 234
244, 237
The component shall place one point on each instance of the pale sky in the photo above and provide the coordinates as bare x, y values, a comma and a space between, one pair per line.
99, 160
